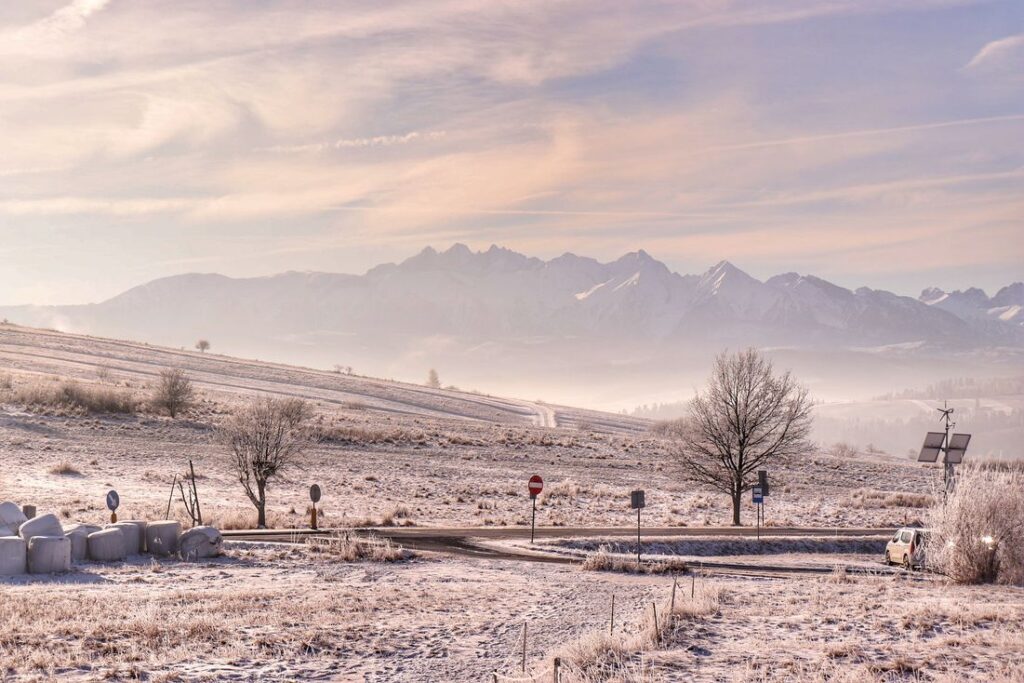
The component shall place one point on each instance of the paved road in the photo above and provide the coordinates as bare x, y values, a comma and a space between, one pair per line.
466, 542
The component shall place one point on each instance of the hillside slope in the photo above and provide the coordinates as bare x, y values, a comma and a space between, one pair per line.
49, 353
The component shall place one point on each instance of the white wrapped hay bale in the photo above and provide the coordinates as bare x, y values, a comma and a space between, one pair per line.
49, 554
162, 537
200, 542
11, 517
133, 536
13, 555
106, 545
79, 535
142, 524
44, 525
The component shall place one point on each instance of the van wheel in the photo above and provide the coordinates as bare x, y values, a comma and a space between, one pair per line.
888, 560
906, 562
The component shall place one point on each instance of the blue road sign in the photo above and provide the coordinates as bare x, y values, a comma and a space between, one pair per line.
758, 495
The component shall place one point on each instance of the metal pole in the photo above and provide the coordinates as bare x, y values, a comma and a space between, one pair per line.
533, 519
638, 539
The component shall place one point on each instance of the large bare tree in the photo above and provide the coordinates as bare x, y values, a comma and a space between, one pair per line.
265, 438
746, 418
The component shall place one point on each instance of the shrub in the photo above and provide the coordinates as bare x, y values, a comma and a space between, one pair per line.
75, 398
978, 534
64, 468
604, 560
173, 392
349, 547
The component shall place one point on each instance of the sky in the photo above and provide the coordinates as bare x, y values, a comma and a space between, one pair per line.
870, 142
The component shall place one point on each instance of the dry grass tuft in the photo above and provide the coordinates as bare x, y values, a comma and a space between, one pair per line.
604, 560
72, 398
350, 547
869, 499
64, 468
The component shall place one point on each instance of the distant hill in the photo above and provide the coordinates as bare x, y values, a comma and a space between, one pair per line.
496, 318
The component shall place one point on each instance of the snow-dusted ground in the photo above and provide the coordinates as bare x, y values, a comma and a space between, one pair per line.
419, 456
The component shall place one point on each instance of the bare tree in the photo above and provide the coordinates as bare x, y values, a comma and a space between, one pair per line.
203, 345
747, 418
265, 438
433, 381
173, 392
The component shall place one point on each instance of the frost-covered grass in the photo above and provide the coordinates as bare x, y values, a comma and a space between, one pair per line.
857, 629
604, 560
710, 546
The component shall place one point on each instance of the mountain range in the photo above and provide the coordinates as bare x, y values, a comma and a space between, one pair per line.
477, 314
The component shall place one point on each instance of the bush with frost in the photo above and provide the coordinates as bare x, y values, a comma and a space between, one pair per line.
978, 532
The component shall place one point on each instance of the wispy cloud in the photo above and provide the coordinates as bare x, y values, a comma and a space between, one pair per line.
870, 132
46, 34
546, 125
999, 51
343, 143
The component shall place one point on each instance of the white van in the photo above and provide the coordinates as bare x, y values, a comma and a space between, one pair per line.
907, 547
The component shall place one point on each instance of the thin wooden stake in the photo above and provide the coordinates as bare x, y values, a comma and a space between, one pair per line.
524, 647
195, 492
672, 604
657, 631
693, 583
171, 497
611, 629
557, 669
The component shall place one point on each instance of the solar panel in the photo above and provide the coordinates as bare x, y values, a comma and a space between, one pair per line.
957, 447
932, 447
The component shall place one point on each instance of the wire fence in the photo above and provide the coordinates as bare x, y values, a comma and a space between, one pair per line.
632, 642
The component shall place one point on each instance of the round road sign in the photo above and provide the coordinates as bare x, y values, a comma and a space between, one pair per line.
314, 493
536, 485
113, 500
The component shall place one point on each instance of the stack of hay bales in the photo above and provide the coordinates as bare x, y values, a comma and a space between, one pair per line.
42, 546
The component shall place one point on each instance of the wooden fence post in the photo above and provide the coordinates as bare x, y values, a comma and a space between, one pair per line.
557, 669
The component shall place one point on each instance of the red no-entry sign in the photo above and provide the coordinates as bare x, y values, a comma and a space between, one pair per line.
536, 485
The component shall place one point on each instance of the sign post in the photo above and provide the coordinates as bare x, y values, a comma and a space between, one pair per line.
536, 486
637, 502
759, 502
113, 501
314, 495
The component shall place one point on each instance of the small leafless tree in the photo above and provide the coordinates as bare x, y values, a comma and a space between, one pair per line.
265, 438
203, 345
173, 392
747, 418
433, 381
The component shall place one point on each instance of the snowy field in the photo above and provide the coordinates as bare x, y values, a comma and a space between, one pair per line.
400, 454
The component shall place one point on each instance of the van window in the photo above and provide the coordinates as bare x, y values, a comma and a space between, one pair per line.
905, 536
